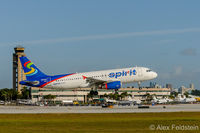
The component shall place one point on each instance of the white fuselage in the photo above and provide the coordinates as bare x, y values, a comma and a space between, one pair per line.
125, 75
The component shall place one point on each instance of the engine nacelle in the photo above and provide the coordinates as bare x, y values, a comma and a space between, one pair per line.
113, 85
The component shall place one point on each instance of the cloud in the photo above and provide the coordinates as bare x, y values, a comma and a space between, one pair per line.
165, 41
178, 71
189, 52
106, 36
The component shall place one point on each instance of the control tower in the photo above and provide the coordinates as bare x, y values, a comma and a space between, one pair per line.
18, 73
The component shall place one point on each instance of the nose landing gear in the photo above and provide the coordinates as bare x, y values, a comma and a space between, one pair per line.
139, 85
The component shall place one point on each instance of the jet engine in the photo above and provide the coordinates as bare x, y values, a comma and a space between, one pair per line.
113, 85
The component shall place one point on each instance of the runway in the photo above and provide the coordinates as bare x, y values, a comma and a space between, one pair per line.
98, 109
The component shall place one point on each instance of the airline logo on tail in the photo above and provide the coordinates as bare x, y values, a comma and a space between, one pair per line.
32, 71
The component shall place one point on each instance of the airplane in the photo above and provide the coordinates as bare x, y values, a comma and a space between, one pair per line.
183, 99
190, 100
180, 98
134, 100
107, 79
161, 100
197, 99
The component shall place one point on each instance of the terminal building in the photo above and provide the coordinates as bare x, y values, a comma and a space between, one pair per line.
79, 94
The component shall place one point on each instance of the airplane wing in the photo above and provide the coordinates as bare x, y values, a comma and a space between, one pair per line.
92, 81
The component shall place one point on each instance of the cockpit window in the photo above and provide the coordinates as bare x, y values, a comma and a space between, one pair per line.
149, 70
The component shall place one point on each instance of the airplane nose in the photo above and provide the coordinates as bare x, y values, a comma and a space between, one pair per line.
155, 75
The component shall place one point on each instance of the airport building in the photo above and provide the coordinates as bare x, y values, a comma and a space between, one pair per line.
80, 94
192, 86
169, 86
183, 89
18, 73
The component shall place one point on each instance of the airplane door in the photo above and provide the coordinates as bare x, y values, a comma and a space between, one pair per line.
139, 72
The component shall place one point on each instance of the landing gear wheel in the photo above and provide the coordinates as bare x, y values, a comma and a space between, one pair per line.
139, 85
95, 92
92, 92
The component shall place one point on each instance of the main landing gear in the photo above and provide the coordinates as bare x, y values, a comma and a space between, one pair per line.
92, 92
139, 85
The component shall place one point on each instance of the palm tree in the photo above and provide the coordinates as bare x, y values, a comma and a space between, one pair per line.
186, 94
8, 94
25, 93
116, 96
175, 94
171, 97
4, 95
105, 95
49, 97
149, 97
125, 94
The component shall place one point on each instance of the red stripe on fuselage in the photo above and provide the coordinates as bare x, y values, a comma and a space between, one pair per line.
26, 63
54, 80
84, 77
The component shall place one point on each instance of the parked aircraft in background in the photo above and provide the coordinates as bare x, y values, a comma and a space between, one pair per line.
197, 99
161, 100
107, 79
183, 99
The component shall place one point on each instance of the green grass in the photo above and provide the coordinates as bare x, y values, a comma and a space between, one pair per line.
92, 123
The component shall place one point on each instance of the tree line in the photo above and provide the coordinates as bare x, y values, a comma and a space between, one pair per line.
11, 94
113, 96
195, 92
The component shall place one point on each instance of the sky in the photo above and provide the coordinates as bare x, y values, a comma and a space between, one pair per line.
78, 36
